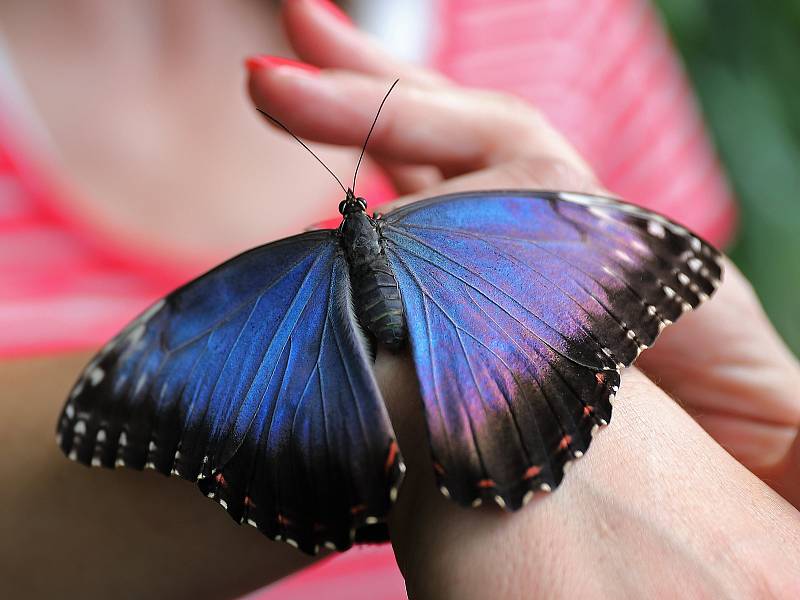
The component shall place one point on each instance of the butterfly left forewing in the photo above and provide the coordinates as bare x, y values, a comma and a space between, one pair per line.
252, 380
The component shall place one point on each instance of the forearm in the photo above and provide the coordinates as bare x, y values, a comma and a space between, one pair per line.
718, 532
100, 533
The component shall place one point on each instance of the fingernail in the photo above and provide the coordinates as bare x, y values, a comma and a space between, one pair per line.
333, 10
265, 61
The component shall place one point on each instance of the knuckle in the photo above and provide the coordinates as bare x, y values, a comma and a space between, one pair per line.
510, 102
551, 172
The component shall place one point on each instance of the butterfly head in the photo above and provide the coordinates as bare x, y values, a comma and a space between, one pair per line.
352, 204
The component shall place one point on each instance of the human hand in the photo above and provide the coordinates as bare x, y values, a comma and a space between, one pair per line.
657, 506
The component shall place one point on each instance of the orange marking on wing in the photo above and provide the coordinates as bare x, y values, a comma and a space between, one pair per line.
284, 520
357, 509
486, 483
438, 468
392, 456
248, 501
564, 443
587, 410
220, 479
601, 377
532, 472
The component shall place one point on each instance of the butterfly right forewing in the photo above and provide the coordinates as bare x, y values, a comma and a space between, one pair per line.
522, 308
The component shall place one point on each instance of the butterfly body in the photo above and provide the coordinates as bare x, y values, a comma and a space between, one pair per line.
376, 294
520, 308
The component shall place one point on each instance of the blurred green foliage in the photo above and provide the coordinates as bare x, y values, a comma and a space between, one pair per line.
744, 60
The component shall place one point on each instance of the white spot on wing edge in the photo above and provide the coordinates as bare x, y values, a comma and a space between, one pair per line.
151, 312
656, 229
695, 264
76, 391
599, 212
96, 375
586, 199
135, 334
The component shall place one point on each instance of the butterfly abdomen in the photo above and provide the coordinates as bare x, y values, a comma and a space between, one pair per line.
376, 295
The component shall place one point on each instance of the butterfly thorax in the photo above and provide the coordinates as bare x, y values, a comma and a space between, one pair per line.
376, 295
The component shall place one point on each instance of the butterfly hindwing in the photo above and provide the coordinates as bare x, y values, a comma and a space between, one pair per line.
252, 380
522, 307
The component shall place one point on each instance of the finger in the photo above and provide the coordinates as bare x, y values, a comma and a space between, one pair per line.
409, 179
544, 172
456, 130
323, 35
729, 368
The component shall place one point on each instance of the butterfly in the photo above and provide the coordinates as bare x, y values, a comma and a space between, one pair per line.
519, 308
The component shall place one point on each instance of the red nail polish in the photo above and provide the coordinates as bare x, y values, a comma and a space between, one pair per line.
264, 61
335, 11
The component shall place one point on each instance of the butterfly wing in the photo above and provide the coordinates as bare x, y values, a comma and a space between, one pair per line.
252, 380
522, 308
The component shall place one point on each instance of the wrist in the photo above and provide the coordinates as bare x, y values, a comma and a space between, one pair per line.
654, 491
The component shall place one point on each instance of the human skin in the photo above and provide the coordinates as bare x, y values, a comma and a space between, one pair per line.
656, 508
154, 142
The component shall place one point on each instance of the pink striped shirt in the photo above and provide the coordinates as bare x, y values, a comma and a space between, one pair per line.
602, 71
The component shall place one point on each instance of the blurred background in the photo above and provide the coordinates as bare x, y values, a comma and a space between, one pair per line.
742, 58
132, 207
131, 160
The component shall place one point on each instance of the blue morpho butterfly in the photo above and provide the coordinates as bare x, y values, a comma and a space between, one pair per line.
520, 308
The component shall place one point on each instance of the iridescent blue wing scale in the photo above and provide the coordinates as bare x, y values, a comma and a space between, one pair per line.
522, 308
252, 380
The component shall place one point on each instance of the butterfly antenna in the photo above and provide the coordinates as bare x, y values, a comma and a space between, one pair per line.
299, 141
364, 148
